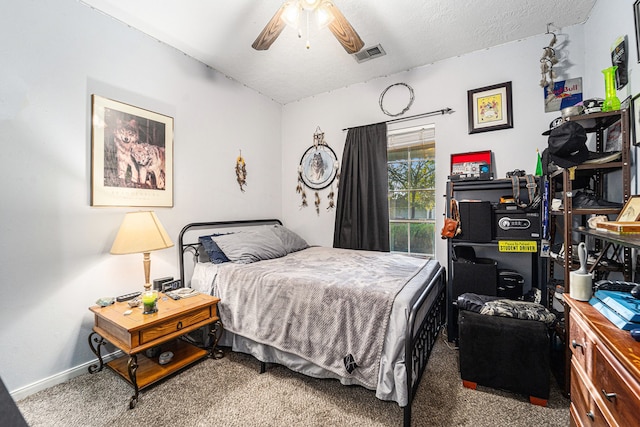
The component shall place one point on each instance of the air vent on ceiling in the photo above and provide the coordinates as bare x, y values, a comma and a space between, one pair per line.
369, 53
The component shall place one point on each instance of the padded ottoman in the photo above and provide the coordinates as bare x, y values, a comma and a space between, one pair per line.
505, 344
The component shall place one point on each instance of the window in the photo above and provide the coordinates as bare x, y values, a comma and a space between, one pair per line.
412, 167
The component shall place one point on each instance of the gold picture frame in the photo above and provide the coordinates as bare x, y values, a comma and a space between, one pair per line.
131, 155
631, 210
490, 108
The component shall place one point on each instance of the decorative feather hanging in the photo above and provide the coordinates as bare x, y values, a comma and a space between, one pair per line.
332, 194
241, 172
300, 189
331, 197
317, 203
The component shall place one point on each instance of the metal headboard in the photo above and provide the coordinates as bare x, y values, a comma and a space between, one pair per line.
193, 245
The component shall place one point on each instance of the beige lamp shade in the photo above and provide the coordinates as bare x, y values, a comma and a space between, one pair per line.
141, 232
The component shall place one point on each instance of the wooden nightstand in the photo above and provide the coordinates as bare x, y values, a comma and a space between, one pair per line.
137, 332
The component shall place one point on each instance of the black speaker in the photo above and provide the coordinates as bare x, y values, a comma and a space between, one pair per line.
476, 221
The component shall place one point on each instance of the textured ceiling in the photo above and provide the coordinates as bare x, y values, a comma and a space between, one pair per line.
412, 32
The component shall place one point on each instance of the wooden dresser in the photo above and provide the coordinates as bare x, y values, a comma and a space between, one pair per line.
605, 370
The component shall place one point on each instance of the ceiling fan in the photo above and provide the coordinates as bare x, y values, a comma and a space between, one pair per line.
327, 14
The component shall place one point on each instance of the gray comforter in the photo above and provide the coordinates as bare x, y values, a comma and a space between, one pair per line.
329, 306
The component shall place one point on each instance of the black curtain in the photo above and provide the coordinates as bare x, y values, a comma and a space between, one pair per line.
362, 211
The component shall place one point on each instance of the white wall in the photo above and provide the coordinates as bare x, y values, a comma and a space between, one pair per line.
437, 86
609, 20
54, 249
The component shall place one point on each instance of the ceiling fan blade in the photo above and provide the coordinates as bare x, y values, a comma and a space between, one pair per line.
271, 31
343, 31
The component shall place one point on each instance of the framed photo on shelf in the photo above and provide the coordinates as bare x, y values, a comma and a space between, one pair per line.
635, 119
631, 210
614, 137
131, 155
490, 108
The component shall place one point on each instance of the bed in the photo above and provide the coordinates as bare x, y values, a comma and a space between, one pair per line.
364, 318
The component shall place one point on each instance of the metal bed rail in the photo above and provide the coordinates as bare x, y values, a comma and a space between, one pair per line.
420, 339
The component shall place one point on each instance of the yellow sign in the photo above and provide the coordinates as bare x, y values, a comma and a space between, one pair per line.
518, 246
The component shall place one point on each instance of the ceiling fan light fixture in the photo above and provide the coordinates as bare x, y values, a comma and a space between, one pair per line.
324, 16
310, 4
328, 15
291, 14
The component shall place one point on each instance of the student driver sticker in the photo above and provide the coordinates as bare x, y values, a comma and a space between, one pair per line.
518, 246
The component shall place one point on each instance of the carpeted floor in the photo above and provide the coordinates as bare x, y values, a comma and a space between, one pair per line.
231, 392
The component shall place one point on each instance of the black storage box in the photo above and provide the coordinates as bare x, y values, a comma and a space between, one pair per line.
517, 224
478, 276
505, 353
510, 284
475, 221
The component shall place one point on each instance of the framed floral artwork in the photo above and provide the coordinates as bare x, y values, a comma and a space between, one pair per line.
131, 155
490, 108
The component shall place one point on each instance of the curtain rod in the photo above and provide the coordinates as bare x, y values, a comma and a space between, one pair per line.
415, 116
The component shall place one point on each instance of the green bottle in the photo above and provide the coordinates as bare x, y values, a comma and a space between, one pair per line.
611, 100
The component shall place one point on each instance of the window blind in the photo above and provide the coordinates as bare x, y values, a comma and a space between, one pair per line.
418, 135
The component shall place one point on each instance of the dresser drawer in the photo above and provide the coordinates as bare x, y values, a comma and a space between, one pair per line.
615, 389
580, 343
176, 324
584, 408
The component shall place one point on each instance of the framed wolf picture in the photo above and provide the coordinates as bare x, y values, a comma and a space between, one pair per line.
131, 155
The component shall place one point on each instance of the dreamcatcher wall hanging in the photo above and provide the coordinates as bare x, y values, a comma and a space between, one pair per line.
318, 170
241, 172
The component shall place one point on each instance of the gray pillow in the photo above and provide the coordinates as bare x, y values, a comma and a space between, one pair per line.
291, 241
250, 246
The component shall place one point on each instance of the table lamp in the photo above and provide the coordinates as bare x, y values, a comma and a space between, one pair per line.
141, 232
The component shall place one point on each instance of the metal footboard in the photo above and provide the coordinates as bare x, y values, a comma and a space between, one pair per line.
420, 338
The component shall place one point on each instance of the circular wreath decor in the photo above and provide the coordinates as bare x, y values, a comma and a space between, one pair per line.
405, 109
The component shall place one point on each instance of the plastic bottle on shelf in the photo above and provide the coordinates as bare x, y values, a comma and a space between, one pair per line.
611, 100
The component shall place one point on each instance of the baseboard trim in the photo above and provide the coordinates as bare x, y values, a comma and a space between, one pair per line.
61, 377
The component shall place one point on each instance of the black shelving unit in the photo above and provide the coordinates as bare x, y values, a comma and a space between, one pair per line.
597, 124
528, 264
568, 226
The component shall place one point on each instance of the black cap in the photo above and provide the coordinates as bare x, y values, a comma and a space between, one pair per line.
567, 145
554, 124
